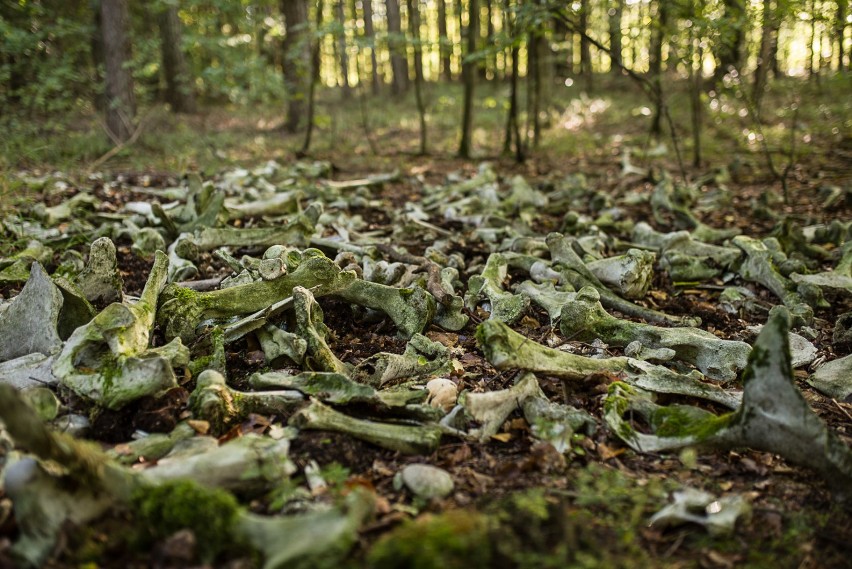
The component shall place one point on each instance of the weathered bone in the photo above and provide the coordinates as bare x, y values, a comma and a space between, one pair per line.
101, 280
316, 539
774, 417
578, 275
310, 327
759, 268
276, 343
555, 423
667, 197
506, 349
408, 439
585, 319
108, 360
546, 296
29, 324
222, 406
505, 306
492, 408
717, 515
630, 274
422, 358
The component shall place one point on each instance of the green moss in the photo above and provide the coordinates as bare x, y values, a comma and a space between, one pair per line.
210, 513
680, 421
110, 370
457, 539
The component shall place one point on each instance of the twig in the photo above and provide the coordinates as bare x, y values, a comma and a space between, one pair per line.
120, 145
844, 411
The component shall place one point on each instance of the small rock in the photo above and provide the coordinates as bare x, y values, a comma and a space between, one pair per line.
834, 379
443, 393
427, 482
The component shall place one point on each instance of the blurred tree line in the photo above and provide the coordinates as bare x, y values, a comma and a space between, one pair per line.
58, 55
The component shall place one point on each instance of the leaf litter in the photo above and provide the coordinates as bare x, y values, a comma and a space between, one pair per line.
342, 356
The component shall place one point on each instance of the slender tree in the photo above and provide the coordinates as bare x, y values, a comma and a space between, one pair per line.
120, 100
340, 8
370, 33
469, 73
729, 52
658, 34
444, 47
297, 60
396, 45
761, 72
615, 13
585, 46
98, 55
179, 92
414, 30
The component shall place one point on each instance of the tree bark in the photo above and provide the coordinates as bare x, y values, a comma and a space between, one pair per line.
370, 33
615, 13
396, 45
414, 27
120, 100
730, 50
341, 46
761, 73
444, 47
585, 47
469, 72
98, 56
179, 93
658, 34
297, 60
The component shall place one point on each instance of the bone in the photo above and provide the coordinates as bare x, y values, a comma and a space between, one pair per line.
759, 268
101, 280
505, 306
630, 274
108, 361
422, 358
215, 402
585, 319
29, 324
492, 408
407, 439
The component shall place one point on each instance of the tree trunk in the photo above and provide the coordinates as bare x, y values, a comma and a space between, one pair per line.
120, 101
813, 68
179, 93
512, 128
414, 27
730, 51
761, 73
341, 47
840, 26
444, 46
98, 56
371, 34
615, 13
396, 45
316, 61
297, 61
658, 34
469, 72
585, 47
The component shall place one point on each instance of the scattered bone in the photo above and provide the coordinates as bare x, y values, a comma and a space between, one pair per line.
29, 324
101, 280
718, 516
834, 379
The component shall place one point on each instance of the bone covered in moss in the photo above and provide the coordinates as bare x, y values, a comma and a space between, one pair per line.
213, 401
630, 274
506, 349
504, 306
585, 319
492, 408
758, 267
29, 324
422, 358
773, 417
310, 327
108, 361
408, 439
575, 272
320, 538
101, 280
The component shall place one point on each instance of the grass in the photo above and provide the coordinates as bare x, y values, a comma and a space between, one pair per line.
578, 128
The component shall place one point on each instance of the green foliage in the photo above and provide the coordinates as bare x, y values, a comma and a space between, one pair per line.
172, 506
457, 539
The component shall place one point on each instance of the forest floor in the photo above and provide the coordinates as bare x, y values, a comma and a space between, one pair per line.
587, 508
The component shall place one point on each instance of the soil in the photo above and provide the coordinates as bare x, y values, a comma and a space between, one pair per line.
794, 521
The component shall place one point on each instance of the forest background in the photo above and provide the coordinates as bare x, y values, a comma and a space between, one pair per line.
561, 81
